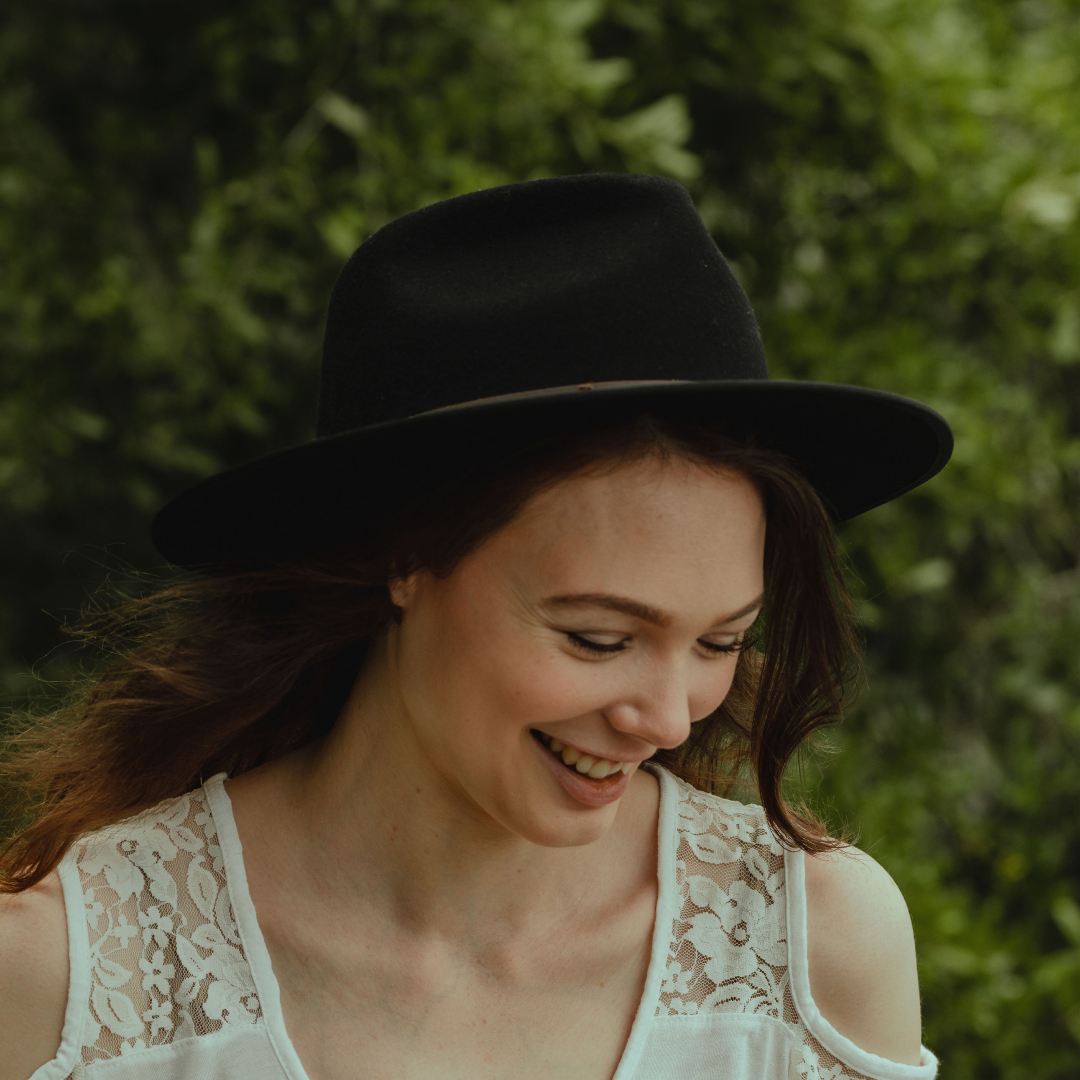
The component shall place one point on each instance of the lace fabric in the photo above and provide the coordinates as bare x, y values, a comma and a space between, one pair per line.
729, 943
166, 958
168, 966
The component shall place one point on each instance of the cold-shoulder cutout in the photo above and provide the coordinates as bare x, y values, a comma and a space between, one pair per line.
864, 979
34, 975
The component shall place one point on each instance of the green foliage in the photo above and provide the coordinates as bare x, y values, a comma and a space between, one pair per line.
898, 185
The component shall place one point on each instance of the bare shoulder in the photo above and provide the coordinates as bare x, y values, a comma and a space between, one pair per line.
861, 944
33, 977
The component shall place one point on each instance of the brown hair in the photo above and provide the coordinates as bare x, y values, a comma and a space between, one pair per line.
224, 670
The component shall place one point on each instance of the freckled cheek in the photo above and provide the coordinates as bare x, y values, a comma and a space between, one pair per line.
438, 667
707, 697
481, 673
555, 688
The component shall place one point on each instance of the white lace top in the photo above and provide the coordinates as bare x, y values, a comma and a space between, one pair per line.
171, 979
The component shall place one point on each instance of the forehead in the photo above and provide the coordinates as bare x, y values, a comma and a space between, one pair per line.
657, 527
637, 499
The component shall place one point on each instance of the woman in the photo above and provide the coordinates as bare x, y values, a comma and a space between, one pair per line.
422, 769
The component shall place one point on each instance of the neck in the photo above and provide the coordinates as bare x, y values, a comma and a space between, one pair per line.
369, 830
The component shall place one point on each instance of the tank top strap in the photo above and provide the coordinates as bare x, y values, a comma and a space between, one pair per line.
156, 955
729, 936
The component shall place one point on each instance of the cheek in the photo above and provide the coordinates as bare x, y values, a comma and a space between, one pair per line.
713, 689
456, 663
558, 686
525, 680
522, 681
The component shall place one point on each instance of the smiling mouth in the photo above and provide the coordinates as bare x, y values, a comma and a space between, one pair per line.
594, 768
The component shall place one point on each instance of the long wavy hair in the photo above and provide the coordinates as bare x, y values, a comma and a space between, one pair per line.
204, 671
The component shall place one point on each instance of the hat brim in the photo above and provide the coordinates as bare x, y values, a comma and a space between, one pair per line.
859, 447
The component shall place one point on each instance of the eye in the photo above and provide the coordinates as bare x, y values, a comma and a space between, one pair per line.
594, 646
735, 646
585, 644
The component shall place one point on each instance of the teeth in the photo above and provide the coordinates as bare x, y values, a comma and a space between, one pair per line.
597, 768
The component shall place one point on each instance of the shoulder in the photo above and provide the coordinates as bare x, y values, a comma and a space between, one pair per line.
861, 945
33, 976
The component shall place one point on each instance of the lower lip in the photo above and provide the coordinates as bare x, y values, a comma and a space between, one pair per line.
583, 788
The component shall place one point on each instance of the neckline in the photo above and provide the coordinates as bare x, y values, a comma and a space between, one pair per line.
269, 991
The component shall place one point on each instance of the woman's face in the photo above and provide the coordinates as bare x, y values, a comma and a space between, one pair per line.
489, 658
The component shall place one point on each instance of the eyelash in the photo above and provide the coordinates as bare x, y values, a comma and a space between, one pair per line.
744, 642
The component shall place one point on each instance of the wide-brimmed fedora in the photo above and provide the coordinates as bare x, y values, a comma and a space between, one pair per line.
529, 306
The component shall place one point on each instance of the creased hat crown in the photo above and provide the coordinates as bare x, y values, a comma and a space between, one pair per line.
597, 278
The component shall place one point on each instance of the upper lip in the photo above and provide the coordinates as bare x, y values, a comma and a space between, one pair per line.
621, 759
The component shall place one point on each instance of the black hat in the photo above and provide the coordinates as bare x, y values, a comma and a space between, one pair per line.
546, 302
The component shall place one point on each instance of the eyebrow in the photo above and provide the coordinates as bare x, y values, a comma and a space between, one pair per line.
638, 610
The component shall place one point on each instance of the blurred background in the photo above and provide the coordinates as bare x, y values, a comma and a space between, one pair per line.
898, 187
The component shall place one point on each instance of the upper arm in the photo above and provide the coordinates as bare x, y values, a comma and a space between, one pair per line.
33, 977
861, 945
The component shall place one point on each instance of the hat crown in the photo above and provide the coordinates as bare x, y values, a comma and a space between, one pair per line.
547, 283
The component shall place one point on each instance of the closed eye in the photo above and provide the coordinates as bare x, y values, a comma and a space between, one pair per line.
587, 645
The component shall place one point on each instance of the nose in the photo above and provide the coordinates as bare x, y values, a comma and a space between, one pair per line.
659, 706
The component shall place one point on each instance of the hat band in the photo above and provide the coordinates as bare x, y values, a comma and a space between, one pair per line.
551, 391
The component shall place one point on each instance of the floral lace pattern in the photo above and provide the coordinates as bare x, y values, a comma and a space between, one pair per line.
729, 950
167, 964
166, 958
